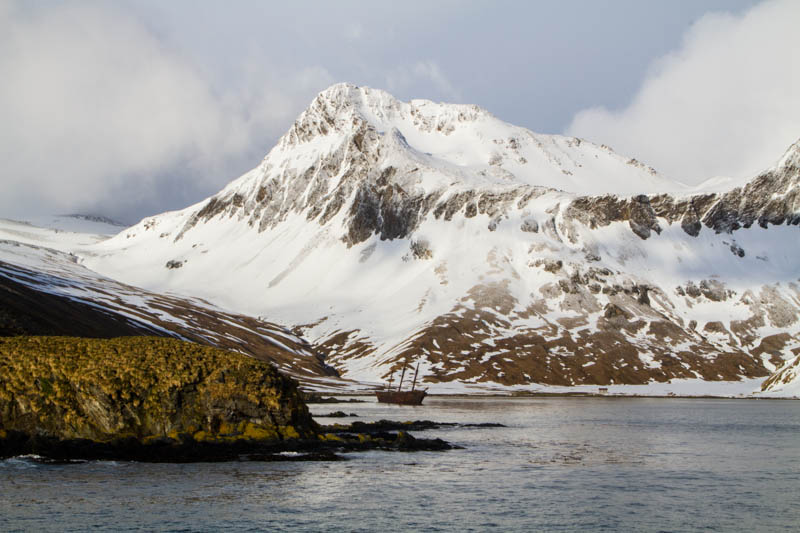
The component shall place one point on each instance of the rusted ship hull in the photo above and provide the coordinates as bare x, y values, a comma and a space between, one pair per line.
406, 397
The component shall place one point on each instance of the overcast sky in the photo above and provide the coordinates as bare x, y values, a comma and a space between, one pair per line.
127, 109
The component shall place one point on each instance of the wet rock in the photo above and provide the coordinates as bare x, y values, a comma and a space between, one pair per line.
313, 397
383, 426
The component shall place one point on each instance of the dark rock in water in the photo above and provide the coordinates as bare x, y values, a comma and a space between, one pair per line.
313, 397
408, 443
390, 425
162, 450
383, 426
322, 448
339, 414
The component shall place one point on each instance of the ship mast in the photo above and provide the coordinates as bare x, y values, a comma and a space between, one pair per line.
401, 378
414, 383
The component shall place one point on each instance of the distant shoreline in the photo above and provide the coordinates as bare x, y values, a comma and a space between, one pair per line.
522, 395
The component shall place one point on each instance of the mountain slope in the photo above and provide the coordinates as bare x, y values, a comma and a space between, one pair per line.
388, 231
27, 311
44, 291
785, 381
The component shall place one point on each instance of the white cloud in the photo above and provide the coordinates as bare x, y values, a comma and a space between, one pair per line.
404, 78
727, 103
95, 110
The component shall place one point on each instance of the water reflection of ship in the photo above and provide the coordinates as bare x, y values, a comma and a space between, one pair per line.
403, 397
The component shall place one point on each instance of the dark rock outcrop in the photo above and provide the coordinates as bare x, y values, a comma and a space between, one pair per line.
771, 198
144, 388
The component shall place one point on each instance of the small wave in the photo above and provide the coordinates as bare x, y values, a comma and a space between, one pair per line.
25, 461
32, 460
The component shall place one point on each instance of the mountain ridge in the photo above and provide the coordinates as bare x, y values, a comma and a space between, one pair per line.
370, 137
377, 227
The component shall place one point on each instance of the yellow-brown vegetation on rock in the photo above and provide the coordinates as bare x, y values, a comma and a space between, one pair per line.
69, 387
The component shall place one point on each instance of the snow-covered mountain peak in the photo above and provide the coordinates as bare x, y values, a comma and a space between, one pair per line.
436, 146
382, 109
791, 158
359, 162
343, 109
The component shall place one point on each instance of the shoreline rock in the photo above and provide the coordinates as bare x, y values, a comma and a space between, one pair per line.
144, 388
325, 447
161, 400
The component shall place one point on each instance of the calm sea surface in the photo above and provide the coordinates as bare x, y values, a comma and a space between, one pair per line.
562, 464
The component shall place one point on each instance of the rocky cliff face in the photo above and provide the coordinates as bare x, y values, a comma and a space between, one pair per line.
144, 388
347, 154
382, 203
388, 231
785, 381
772, 198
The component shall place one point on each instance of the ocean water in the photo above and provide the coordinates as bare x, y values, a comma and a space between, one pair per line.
562, 464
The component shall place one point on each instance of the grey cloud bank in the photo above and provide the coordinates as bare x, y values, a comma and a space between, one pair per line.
723, 104
134, 108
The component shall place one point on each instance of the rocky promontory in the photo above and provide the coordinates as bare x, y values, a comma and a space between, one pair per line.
144, 388
156, 399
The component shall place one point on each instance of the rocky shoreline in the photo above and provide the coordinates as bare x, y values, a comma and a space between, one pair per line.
326, 446
162, 400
